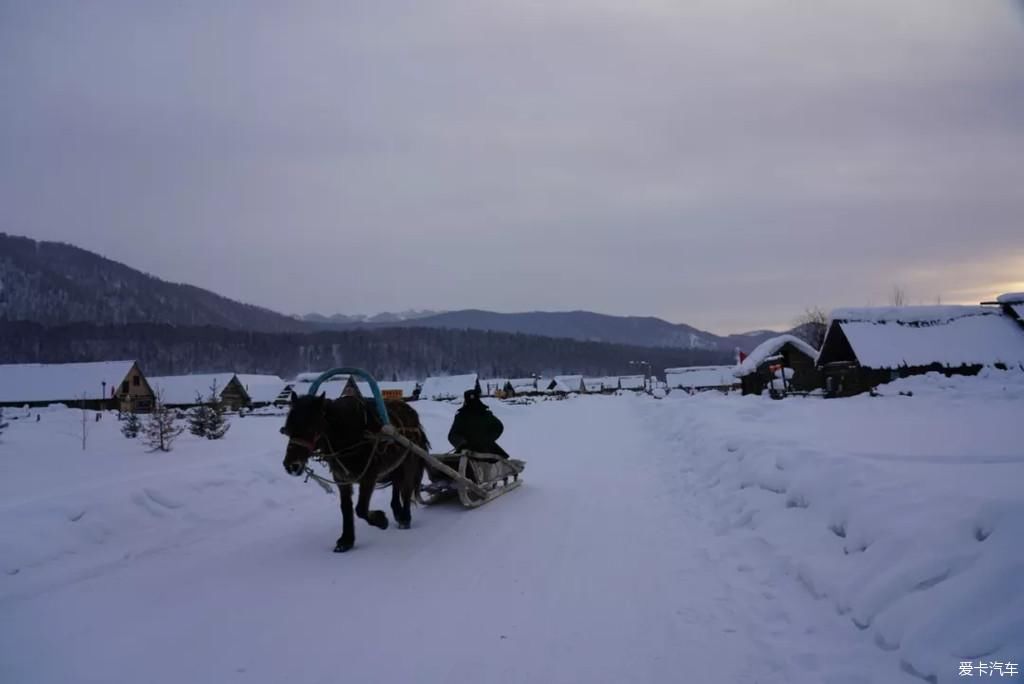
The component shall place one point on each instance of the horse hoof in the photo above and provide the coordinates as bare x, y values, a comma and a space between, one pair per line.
378, 519
342, 547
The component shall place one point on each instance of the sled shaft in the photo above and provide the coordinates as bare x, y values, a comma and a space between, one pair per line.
434, 462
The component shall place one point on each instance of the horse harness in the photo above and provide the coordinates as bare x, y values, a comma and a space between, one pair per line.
335, 460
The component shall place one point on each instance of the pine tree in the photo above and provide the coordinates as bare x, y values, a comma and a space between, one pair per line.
199, 418
131, 427
160, 431
216, 424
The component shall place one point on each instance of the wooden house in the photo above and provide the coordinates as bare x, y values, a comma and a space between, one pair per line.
183, 391
100, 385
694, 379
442, 388
867, 347
567, 384
780, 365
265, 390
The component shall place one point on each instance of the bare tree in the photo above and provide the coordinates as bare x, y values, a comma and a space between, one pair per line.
898, 296
160, 430
811, 326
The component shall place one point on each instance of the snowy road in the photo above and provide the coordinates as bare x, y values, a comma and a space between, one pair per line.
603, 567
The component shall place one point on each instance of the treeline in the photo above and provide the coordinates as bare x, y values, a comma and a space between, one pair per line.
387, 353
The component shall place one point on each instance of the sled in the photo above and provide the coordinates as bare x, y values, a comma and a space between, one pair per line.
475, 477
493, 474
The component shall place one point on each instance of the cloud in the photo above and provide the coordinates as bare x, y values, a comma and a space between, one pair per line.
722, 163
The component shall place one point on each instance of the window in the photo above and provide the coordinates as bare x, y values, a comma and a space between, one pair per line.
136, 381
124, 387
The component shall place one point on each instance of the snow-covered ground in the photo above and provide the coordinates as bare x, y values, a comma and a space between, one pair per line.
691, 539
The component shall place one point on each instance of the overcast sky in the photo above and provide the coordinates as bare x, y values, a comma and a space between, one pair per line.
724, 163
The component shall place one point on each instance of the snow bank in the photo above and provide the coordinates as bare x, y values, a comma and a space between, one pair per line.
904, 513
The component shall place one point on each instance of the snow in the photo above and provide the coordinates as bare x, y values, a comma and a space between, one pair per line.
704, 538
448, 387
569, 383
631, 382
262, 389
56, 382
697, 377
181, 390
988, 338
769, 348
1018, 309
911, 314
1011, 298
524, 384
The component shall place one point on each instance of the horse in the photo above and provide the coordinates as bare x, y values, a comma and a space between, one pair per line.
346, 433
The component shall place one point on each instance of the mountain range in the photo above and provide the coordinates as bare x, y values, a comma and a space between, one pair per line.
57, 284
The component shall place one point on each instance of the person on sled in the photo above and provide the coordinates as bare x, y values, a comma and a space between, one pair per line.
475, 428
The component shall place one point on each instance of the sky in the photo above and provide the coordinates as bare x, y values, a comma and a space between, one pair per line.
723, 163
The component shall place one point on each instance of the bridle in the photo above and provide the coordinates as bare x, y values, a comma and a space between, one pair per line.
307, 444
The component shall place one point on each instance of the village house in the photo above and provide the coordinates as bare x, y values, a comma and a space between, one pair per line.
781, 365
864, 348
702, 379
441, 388
183, 391
636, 383
567, 384
100, 385
265, 390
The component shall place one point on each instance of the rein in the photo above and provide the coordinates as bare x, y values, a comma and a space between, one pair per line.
333, 459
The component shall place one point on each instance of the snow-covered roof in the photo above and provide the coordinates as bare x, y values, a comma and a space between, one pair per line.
262, 389
909, 315
181, 390
37, 382
448, 387
568, 383
1011, 298
769, 348
631, 382
524, 384
596, 384
921, 336
696, 377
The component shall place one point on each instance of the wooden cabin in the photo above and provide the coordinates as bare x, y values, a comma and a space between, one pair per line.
184, 391
100, 385
695, 379
867, 347
444, 388
780, 365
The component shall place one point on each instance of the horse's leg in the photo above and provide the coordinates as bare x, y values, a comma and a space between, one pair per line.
375, 518
348, 528
397, 483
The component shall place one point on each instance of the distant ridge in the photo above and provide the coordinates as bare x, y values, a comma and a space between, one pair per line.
56, 284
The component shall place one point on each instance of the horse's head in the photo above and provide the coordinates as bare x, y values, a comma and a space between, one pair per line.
305, 424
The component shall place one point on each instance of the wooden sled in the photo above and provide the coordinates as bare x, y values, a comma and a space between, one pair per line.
476, 478
492, 474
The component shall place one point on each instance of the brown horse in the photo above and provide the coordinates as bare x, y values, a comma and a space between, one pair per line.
346, 432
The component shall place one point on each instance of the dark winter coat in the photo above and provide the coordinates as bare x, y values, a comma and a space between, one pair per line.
475, 428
